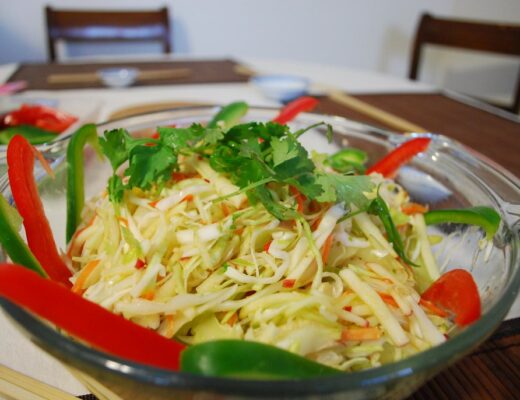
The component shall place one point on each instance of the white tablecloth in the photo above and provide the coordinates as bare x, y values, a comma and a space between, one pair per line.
97, 104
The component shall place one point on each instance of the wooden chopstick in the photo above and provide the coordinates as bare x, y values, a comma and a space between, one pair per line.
369, 110
87, 77
18, 386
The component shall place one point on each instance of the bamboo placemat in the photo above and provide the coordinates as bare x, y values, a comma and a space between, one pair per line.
200, 71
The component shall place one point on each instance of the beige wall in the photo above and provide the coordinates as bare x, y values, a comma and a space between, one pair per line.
371, 34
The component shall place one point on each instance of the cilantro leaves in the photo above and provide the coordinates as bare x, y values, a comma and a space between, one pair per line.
252, 155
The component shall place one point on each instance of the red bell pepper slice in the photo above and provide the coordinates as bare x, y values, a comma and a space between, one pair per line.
295, 107
43, 117
20, 162
86, 320
457, 292
390, 163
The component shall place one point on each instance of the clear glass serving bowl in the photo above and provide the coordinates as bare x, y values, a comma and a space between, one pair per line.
447, 175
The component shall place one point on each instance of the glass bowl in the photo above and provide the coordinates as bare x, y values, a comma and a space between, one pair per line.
447, 175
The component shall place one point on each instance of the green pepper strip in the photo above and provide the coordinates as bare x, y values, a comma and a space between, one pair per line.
348, 160
378, 207
12, 242
229, 115
244, 359
76, 174
485, 217
33, 134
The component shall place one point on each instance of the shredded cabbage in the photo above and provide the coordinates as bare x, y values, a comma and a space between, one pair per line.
197, 264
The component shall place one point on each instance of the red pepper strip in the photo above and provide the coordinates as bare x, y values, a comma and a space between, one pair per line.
20, 162
86, 320
291, 110
457, 292
43, 117
390, 163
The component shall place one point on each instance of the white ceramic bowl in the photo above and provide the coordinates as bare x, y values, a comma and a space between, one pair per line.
118, 77
281, 87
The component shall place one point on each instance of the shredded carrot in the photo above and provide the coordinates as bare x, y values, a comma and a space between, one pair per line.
358, 333
288, 283
239, 231
83, 276
413, 208
314, 206
300, 198
123, 221
180, 176
388, 299
325, 250
267, 245
348, 308
44, 162
187, 198
148, 295
432, 308
153, 203
225, 209
233, 319
316, 223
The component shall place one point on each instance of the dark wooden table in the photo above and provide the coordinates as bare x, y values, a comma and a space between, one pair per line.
493, 370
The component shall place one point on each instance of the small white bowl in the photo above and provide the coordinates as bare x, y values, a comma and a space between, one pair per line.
281, 87
118, 77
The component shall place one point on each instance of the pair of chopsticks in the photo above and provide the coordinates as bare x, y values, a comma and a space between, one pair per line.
17, 386
354, 103
90, 77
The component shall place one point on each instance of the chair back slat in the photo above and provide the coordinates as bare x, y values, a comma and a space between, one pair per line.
103, 26
497, 38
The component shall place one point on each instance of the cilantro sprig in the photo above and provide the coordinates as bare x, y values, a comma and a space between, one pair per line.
252, 155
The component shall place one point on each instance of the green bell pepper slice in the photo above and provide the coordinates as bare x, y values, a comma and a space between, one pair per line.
249, 360
485, 217
33, 134
76, 174
348, 160
12, 242
229, 115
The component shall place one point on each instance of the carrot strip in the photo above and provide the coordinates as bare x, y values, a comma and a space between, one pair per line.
360, 334
233, 319
45, 165
413, 208
388, 299
300, 198
325, 250
432, 308
83, 276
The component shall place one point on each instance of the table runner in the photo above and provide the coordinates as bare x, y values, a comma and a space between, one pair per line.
492, 135
202, 71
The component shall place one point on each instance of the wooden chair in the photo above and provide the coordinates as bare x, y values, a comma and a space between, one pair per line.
487, 37
107, 26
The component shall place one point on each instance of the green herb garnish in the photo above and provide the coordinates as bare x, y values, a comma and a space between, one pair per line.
252, 155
